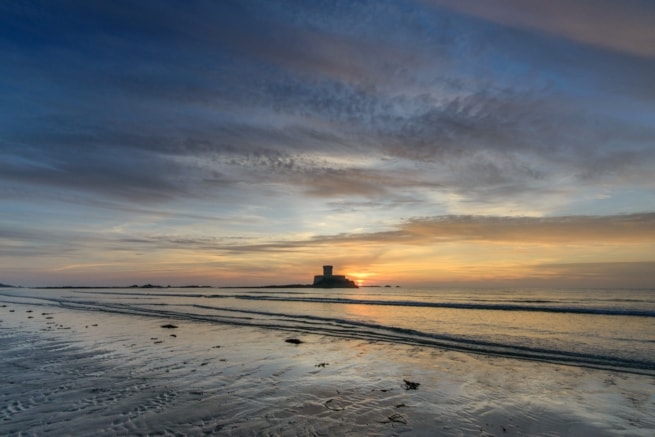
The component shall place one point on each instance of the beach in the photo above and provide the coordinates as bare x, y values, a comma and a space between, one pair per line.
72, 371
327, 218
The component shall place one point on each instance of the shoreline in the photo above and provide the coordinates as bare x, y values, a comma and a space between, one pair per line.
75, 371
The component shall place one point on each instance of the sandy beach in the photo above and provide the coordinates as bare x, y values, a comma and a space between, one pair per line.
75, 372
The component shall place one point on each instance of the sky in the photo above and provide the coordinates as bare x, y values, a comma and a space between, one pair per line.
410, 142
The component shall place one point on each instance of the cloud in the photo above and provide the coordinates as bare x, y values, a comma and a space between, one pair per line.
600, 274
567, 230
572, 229
562, 230
175, 103
615, 25
631, 166
631, 228
137, 176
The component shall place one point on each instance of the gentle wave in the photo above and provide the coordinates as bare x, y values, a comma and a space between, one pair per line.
342, 328
199, 309
455, 305
523, 305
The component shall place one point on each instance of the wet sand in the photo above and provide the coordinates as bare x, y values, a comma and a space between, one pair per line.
86, 373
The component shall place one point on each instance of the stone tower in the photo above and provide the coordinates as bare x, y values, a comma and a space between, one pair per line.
327, 271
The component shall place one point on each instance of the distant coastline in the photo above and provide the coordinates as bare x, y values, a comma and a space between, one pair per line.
151, 286
267, 286
326, 280
117, 287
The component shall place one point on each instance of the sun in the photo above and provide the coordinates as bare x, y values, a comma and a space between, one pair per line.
359, 278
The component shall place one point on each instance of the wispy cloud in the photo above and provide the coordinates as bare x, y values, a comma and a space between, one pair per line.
632, 228
614, 25
574, 229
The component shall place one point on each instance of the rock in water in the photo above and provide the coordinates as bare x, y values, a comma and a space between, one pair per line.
409, 385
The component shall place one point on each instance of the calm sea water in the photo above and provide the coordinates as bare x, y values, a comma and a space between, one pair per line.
608, 328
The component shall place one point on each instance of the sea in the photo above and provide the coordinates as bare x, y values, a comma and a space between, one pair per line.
611, 329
